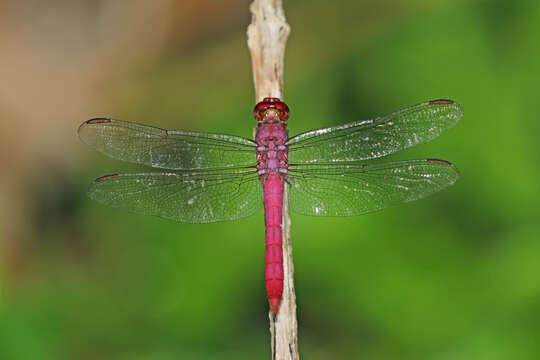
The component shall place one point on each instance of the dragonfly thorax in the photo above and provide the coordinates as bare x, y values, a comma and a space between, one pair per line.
272, 152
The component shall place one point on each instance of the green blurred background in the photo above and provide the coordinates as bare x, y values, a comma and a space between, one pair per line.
454, 276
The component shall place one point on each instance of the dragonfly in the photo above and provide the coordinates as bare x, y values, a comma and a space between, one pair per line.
208, 177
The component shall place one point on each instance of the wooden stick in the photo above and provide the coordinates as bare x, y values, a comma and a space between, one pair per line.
267, 35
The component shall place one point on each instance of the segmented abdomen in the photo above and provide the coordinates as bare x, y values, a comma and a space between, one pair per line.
273, 201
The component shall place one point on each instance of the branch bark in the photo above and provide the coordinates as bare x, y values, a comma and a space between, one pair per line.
267, 36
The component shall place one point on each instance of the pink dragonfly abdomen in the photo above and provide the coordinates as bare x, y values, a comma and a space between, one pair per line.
273, 202
272, 166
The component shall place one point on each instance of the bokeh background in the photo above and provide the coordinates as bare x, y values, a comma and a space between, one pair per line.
454, 276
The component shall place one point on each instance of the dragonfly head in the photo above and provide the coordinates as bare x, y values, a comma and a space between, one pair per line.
270, 111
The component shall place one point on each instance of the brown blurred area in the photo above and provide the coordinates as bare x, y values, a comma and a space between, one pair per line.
57, 60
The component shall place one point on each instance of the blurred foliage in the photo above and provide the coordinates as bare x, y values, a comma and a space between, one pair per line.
454, 276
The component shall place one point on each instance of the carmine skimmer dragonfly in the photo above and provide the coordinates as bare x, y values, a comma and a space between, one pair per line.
217, 177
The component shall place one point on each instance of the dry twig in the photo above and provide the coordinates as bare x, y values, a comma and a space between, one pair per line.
267, 36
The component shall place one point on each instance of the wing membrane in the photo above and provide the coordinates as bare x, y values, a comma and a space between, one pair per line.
370, 139
188, 197
166, 149
354, 189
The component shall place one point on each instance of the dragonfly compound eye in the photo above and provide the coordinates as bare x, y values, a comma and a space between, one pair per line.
271, 104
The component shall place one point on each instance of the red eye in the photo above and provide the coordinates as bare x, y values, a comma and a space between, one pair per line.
271, 103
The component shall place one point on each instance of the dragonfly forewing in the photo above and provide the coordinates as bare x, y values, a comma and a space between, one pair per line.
355, 189
188, 197
370, 139
166, 149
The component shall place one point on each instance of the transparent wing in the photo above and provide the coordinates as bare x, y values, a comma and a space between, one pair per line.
370, 139
354, 189
166, 149
189, 197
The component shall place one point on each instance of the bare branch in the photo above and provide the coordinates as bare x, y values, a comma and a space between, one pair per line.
267, 37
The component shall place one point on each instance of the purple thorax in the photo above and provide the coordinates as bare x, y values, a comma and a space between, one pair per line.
271, 137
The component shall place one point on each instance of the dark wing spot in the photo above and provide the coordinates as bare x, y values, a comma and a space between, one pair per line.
441, 102
105, 178
439, 161
98, 121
